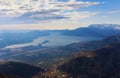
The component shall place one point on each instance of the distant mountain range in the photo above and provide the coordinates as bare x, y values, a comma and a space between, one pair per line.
101, 63
98, 30
106, 26
11, 37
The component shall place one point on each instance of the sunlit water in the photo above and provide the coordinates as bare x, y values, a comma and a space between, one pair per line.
54, 39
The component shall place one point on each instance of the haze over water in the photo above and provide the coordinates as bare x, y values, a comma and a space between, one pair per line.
54, 39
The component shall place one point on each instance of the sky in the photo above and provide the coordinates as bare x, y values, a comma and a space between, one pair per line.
57, 14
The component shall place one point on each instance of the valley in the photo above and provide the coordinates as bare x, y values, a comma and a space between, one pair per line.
54, 52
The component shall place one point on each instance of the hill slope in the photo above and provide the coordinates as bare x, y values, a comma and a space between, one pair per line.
101, 63
6, 76
19, 69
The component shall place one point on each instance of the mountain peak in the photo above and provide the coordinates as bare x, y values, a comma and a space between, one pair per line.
106, 26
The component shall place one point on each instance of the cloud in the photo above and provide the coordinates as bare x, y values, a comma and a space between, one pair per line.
80, 15
42, 10
114, 11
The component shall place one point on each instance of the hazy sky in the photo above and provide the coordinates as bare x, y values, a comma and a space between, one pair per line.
57, 14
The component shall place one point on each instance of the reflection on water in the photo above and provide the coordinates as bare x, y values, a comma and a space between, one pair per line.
54, 39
